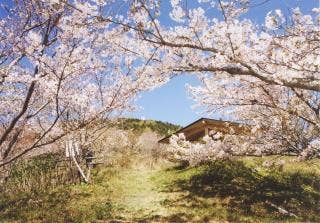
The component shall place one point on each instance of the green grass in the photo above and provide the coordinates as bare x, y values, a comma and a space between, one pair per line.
237, 191
233, 191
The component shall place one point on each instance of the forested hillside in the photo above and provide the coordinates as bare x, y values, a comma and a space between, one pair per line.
138, 125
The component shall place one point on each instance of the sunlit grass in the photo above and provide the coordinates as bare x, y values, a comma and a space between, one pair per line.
232, 191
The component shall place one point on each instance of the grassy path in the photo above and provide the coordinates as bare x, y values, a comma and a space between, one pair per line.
136, 195
144, 195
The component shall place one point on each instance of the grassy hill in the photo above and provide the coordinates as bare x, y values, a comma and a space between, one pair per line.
223, 191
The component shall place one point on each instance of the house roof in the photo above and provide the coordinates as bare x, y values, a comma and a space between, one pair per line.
201, 122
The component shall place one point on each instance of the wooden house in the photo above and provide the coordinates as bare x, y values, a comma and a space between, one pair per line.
204, 126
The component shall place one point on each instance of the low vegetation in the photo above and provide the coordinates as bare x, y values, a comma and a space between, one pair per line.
222, 191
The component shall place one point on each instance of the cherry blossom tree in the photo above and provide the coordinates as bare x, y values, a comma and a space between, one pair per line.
280, 52
67, 64
284, 120
61, 69
266, 75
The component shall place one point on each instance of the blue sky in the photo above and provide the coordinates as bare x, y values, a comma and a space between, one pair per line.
170, 102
